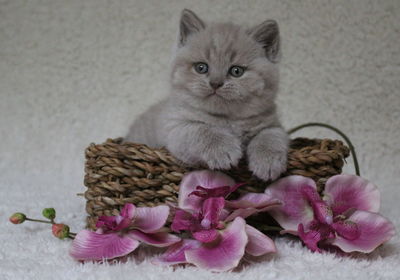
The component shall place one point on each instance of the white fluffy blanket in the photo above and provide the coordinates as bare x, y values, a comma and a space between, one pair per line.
75, 72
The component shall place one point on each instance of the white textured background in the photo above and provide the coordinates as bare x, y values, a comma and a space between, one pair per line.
75, 72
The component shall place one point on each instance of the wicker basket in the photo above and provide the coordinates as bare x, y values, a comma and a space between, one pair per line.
119, 173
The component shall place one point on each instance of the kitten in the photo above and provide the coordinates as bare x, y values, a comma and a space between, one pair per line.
221, 104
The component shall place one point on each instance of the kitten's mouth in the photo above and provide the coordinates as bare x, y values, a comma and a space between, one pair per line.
213, 93
216, 94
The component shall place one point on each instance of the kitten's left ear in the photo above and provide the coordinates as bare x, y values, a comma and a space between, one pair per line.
267, 34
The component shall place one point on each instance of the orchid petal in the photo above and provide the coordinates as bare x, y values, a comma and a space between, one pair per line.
224, 214
235, 187
206, 235
150, 219
347, 229
292, 232
158, 239
259, 244
204, 178
89, 245
295, 208
322, 212
128, 211
344, 192
310, 194
175, 254
242, 212
225, 254
207, 193
122, 224
373, 228
212, 208
183, 220
247, 212
215, 192
253, 200
250, 204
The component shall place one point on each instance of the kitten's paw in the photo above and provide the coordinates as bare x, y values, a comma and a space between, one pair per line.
215, 152
268, 166
223, 156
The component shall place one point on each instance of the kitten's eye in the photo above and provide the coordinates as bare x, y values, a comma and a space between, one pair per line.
201, 67
236, 71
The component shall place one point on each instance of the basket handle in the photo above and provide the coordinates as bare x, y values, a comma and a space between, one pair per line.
348, 142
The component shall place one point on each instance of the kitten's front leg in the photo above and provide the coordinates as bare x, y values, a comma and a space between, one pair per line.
197, 143
267, 153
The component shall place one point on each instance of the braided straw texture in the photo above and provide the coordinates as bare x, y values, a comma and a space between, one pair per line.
119, 173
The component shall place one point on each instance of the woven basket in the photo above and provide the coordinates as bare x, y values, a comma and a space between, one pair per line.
119, 173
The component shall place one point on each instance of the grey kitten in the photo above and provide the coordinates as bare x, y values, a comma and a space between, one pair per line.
221, 105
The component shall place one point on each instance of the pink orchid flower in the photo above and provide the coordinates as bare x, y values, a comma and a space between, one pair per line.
221, 235
345, 217
118, 236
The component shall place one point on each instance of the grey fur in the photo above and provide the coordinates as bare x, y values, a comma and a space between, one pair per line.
203, 127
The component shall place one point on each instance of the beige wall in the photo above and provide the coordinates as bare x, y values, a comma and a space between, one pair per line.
73, 72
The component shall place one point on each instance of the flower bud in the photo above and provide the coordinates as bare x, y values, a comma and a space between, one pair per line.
49, 213
17, 218
221, 225
60, 230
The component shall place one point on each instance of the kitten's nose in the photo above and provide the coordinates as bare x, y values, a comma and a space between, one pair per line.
216, 85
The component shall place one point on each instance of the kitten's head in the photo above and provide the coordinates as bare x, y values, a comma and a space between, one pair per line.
224, 68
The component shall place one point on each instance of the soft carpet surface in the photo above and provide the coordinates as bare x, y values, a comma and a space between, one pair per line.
75, 72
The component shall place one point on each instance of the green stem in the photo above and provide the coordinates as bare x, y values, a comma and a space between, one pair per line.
71, 235
348, 142
38, 221
270, 228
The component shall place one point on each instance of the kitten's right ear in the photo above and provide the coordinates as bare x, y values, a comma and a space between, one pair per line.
189, 24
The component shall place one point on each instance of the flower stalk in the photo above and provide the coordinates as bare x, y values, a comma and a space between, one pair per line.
60, 231
39, 221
